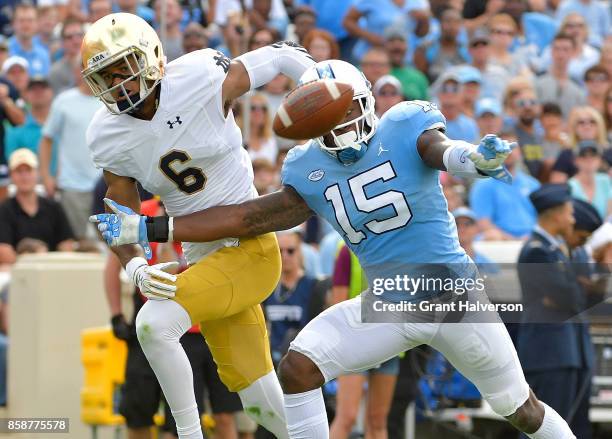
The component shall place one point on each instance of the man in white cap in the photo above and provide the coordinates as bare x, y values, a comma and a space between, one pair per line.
15, 69
26, 215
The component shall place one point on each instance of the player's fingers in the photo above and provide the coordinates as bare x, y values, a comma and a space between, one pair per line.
97, 218
103, 227
512, 145
168, 266
160, 286
159, 274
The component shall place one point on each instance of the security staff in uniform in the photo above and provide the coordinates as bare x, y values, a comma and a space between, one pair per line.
556, 354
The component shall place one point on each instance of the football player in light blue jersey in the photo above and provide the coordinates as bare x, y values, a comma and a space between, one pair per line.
377, 183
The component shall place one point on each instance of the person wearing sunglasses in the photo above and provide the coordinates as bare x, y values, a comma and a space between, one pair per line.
494, 78
450, 97
503, 31
585, 124
61, 75
597, 81
261, 143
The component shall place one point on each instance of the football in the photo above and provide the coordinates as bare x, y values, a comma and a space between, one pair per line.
313, 109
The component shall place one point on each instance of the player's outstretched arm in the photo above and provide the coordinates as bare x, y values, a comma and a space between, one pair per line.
277, 211
258, 67
464, 159
280, 210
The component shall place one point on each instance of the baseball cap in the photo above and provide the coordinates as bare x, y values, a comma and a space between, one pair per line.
15, 61
487, 105
38, 80
22, 156
470, 74
479, 35
387, 80
464, 212
588, 146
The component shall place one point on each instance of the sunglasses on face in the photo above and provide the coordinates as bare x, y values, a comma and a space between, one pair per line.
76, 35
479, 44
289, 250
522, 103
574, 24
259, 108
388, 93
465, 223
503, 32
597, 78
449, 87
586, 122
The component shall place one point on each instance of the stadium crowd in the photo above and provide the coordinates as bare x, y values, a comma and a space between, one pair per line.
536, 72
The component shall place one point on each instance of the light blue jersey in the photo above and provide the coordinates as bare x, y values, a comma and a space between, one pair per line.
388, 206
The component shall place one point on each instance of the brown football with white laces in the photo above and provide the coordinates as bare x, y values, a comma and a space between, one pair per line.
312, 109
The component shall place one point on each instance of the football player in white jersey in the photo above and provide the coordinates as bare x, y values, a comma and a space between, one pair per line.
170, 127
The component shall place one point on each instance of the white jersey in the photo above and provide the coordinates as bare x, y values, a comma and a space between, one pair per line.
189, 154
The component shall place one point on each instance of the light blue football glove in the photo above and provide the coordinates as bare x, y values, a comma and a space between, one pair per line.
124, 226
490, 156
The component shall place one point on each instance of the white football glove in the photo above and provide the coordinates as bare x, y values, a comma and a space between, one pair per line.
153, 280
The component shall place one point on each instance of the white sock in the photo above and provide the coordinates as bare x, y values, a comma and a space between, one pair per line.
159, 325
553, 426
263, 402
306, 415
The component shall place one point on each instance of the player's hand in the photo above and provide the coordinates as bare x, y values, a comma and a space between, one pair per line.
490, 156
121, 329
122, 227
153, 281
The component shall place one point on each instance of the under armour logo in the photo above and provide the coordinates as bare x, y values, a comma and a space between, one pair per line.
171, 124
381, 149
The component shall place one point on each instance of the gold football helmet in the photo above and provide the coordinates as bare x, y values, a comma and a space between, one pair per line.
127, 41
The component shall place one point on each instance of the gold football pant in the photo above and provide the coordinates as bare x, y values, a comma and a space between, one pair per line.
222, 293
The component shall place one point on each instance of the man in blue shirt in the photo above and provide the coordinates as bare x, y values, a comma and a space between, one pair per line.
377, 183
450, 96
23, 44
504, 211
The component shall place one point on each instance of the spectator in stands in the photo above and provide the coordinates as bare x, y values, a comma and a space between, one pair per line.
26, 215
605, 58
137, 8
15, 69
173, 45
65, 129
304, 21
414, 82
387, 92
61, 75
4, 51
597, 81
375, 64
369, 20
297, 299
263, 15
471, 82
261, 38
450, 96
596, 14
467, 230
348, 283
477, 13
554, 139
321, 45
588, 184
39, 97
99, 9
504, 211
438, 55
488, 114
10, 114
556, 85
264, 176
494, 77
607, 113
329, 18
513, 88
48, 19
601, 244
260, 142
585, 124
529, 133
23, 43
503, 29
556, 352
194, 37
584, 56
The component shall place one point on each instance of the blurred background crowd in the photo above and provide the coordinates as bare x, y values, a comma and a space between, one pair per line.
538, 72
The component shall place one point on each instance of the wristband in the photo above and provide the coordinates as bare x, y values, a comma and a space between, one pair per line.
157, 228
